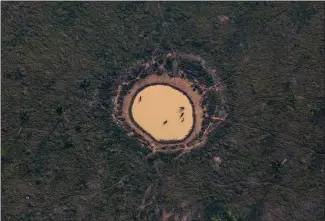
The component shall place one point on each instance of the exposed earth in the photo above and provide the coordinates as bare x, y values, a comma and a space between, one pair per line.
160, 96
162, 123
159, 113
254, 72
164, 112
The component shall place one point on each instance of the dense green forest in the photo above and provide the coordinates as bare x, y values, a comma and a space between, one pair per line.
63, 158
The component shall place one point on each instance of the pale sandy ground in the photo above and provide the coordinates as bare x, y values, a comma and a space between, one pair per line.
157, 104
177, 82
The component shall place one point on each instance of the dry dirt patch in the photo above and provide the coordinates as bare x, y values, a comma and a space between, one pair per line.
165, 112
159, 138
167, 102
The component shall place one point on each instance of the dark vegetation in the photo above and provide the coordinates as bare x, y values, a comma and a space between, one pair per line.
63, 158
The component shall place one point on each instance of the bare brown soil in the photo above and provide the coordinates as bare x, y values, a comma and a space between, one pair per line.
177, 82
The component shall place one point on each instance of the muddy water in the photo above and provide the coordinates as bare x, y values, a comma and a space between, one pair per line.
157, 110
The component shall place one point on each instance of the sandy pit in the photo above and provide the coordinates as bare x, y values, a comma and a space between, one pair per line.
157, 116
165, 112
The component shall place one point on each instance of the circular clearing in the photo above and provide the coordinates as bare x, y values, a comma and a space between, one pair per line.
164, 112
161, 100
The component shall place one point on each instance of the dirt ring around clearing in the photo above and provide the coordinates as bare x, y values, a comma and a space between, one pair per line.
186, 74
